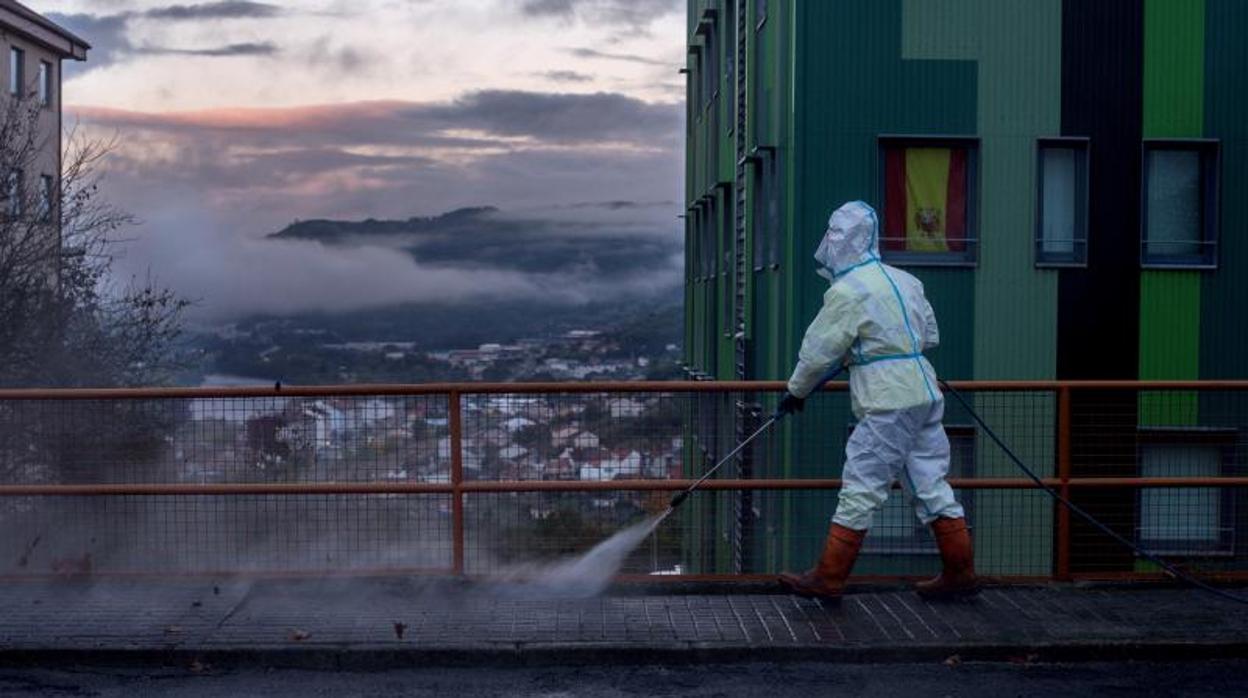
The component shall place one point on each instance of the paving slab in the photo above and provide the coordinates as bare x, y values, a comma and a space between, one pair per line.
398, 621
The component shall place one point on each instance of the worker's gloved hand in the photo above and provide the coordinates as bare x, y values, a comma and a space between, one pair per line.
790, 404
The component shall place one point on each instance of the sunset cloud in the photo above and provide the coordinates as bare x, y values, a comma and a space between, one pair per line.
562, 114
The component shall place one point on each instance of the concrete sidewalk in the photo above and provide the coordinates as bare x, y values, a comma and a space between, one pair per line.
399, 622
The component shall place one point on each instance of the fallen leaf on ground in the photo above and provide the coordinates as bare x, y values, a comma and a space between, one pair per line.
299, 635
953, 660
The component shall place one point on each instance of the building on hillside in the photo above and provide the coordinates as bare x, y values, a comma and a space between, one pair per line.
31, 50
1065, 178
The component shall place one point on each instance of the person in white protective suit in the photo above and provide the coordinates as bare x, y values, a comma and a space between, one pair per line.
876, 320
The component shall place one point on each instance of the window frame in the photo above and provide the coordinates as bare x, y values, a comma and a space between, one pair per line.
17, 71
918, 542
14, 192
970, 257
45, 83
765, 248
1210, 153
47, 198
731, 37
727, 238
1226, 440
1083, 147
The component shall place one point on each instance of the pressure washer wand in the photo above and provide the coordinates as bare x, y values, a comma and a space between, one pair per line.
683, 494
775, 417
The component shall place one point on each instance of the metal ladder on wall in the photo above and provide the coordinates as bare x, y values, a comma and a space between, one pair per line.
746, 413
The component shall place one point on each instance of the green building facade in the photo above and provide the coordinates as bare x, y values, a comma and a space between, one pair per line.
1066, 178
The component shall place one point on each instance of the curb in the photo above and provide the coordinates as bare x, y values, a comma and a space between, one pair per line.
585, 654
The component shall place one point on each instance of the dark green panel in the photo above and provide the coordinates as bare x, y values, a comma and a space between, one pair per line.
952, 295
1224, 293
1174, 74
850, 91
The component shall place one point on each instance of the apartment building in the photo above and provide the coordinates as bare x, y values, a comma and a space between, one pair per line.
1065, 177
32, 48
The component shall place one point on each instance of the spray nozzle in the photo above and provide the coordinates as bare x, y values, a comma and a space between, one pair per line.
679, 498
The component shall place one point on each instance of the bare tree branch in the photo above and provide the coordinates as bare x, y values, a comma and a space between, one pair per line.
68, 321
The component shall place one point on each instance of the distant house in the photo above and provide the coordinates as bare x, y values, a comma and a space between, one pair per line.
620, 408
518, 423
513, 452
565, 436
585, 439
622, 464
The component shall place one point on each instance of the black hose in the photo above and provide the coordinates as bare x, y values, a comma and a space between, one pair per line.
1142, 552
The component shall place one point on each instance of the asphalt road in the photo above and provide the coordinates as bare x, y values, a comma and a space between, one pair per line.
998, 680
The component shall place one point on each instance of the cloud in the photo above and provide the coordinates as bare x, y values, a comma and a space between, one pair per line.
109, 34
587, 186
233, 276
225, 9
476, 120
554, 117
248, 49
605, 55
636, 15
566, 76
106, 33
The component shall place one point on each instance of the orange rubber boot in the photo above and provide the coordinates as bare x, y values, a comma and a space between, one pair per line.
958, 557
827, 578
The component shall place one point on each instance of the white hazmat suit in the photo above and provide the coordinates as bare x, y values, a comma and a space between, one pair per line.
876, 319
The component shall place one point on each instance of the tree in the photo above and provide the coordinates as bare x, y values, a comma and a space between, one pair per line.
67, 322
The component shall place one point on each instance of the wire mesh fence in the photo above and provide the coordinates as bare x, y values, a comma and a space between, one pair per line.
484, 479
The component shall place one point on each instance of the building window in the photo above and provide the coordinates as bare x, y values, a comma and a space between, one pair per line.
726, 256
930, 194
706, 242
47, 197
1186, 520
711, 50
13, 193
1180, 204
766, 211
45, 83
730, 60
897, 528
1062, 202
17, 70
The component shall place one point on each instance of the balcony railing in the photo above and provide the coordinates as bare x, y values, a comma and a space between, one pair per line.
485, 479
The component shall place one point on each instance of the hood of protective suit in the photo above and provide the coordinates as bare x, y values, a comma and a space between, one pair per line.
852, 239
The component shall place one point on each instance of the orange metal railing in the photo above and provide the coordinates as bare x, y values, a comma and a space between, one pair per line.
1081, 421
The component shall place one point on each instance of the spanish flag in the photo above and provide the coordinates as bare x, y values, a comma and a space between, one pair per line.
925, 200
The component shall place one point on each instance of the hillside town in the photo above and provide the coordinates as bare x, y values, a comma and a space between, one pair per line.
505, 437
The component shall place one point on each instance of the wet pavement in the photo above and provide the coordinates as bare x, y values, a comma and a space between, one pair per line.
386, 622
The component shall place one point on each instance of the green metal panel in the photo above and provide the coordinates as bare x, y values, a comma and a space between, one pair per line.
1017, 46
1169, 343
1174, 77
1224, 334
1174, 68
848, 92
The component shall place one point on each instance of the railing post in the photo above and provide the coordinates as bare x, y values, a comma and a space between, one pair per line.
457, 481
1062, 571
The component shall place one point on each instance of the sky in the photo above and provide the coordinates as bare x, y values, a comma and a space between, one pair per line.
235, 118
